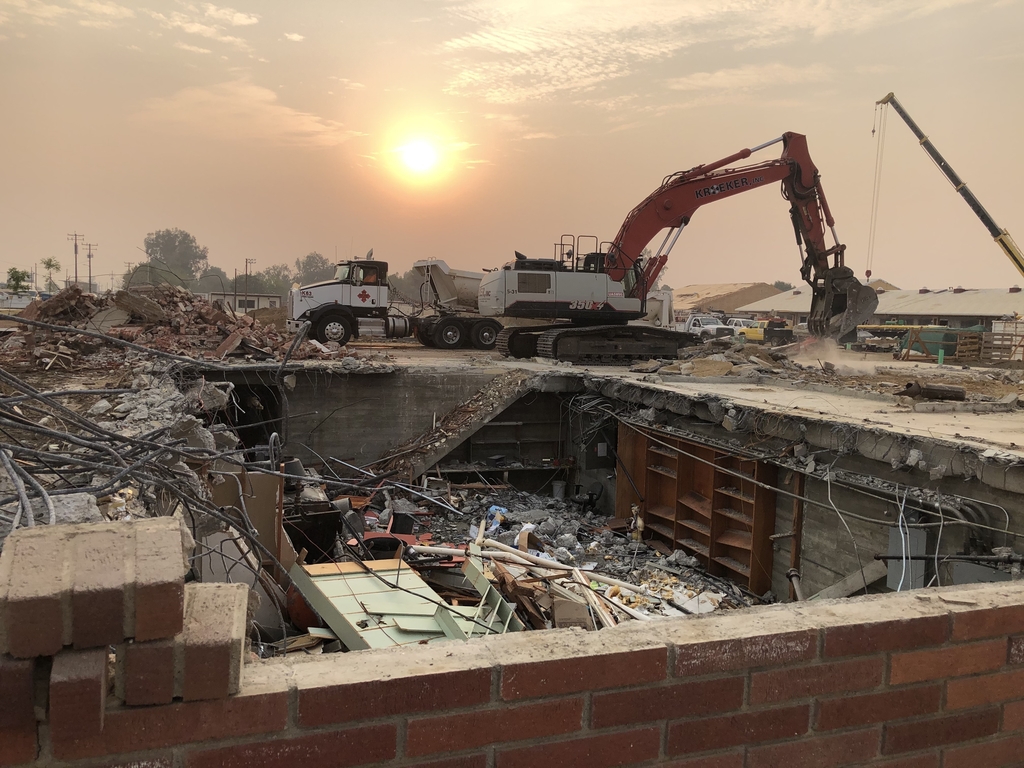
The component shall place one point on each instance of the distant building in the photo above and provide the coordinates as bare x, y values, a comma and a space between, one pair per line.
952, 307
240, 302
724, 297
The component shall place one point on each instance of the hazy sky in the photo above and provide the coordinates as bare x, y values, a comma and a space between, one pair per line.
271, 129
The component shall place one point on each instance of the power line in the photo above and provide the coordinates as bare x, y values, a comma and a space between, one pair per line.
76, 237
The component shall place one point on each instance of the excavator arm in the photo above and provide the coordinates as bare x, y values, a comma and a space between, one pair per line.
839, 301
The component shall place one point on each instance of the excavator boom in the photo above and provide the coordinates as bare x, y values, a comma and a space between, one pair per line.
839, 301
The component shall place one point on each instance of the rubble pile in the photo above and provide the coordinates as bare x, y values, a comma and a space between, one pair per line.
165, 318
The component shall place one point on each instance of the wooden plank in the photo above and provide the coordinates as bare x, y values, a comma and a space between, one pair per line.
872, 572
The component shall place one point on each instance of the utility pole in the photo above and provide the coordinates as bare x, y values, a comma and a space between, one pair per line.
130, 265
247, 263
90, 246
76, 237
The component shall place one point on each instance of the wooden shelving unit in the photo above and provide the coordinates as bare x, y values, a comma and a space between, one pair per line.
711, 504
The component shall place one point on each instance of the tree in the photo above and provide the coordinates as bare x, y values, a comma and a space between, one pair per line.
313, 268
174, 257
17, 279
782, 285
275, 280
51, 265
213, 280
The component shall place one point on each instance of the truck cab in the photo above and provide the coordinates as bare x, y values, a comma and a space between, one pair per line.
355, 300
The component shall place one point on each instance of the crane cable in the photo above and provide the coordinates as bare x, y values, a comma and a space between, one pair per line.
879, 122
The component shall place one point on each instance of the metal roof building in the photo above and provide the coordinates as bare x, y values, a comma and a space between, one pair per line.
955, 307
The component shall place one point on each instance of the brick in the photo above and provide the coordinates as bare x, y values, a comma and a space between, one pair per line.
98, 585
878, 707
1013, 716
736, 730
799, 682
988, 622
930, 760
384, 698
743, 653
985, 689
38, 597
135, 729
936, 731
994, 754
479, 728
467, 761
613, 670
368, 745
691, 699
940, 663
1016, 650
6, 562
18, 742
901, 635
208, 654
78, 697
159, 592
817, 751
731, 760
145, 672
603, 751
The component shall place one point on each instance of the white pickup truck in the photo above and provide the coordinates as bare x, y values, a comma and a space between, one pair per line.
707, 327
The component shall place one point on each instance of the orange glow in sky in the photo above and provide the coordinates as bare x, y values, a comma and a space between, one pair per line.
419, 156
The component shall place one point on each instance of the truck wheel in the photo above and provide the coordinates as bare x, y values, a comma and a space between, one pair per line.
423, 337
334, 328
449, 333
777, 341
484, 334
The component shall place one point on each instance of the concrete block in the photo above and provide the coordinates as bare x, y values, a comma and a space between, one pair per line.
78, 697
160, 566
17, 712
208, 654
99, 561
39, 595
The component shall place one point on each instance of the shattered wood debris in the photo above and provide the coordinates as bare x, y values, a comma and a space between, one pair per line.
166, 318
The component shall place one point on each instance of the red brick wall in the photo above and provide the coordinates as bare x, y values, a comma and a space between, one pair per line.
915, 680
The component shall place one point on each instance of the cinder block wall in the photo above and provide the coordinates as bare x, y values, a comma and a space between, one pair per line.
912, 680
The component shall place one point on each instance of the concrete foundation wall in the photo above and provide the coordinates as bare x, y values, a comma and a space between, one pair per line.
898, 679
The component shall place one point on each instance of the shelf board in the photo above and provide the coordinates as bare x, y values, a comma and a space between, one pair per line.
736, 494
663, 471
733, 538
487, 470
734, 514
697, 503
696, 526
734, 565
660, 510
693, 545
664, 530
514, 441
662, 452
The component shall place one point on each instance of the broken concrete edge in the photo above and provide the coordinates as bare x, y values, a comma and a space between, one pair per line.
713, 409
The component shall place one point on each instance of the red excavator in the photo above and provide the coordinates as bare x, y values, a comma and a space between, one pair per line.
600, 292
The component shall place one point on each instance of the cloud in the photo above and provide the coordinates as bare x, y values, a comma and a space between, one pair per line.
104, 9
295, 37
197, 26
726, 84
349, 85
537, 49
242, 110
231, 16
191, 48
36, 10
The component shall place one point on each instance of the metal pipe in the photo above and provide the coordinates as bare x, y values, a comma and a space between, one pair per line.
794, 578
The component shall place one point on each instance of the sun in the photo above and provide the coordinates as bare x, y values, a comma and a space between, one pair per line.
419, 156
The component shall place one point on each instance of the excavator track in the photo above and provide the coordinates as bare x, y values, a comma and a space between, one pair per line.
611, 344
520, 341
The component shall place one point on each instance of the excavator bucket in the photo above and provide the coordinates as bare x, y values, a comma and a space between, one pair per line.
840, 304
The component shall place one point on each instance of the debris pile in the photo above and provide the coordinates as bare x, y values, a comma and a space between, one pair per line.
165, 318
